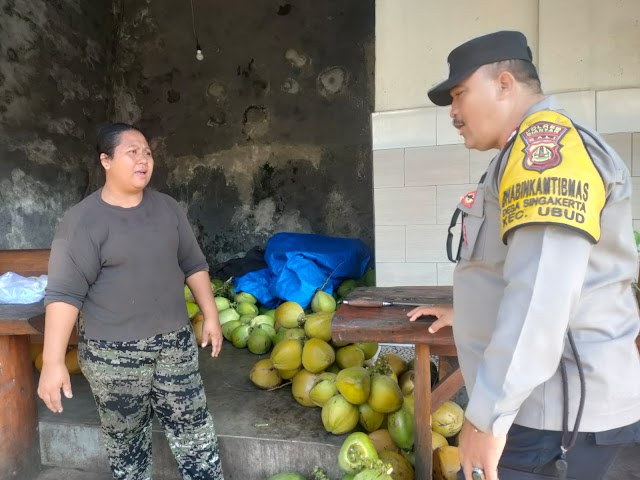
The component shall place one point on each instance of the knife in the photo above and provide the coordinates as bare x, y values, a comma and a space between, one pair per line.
374, 303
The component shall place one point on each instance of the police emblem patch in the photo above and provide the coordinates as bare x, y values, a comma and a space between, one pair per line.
542, 145
468, 199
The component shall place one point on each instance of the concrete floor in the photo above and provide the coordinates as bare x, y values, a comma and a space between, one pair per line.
260, 432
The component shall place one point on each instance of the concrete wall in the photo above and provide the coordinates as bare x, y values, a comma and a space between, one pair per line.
53, 78
588, 55
270, 132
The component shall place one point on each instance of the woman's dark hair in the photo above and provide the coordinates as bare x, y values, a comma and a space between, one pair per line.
109, 137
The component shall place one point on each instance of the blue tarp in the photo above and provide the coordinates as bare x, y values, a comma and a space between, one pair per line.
299, 264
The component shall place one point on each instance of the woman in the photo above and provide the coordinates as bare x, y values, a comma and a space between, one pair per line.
122, 256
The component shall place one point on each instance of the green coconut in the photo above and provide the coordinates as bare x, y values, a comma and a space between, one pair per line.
245, 308
240, 336
259, 341
245, 297
229, 327
260, 319
339, 416
323, 302
222, 303
228, 315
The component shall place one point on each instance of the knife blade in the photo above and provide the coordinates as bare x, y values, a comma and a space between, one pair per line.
375, 303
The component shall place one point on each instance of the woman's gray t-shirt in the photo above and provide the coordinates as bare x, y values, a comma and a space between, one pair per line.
124, 267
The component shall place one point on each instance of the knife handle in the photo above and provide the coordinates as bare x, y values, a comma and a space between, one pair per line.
367, 303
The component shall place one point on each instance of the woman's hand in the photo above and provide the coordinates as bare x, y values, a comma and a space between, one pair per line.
212, 331
443, 314
53, 378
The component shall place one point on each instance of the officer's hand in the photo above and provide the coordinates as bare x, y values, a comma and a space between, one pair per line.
443, 314
212, 331
481, 450
54, 376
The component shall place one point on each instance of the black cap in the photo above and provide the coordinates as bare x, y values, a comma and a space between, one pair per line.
468, 57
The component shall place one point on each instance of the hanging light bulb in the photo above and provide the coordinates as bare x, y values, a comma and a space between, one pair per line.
199, 54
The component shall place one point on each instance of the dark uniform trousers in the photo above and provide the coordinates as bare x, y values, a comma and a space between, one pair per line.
133, 380
531, 454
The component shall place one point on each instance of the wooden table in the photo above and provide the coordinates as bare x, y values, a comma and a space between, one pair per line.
20, 441
19, 436
390, 325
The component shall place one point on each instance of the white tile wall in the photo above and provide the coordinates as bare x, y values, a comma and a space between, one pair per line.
618, 111
446, 164
390, 243
406, 274
417, 187
581, 106
405, 206
591, 63
426, 243
621, 143
403, 128
388, 168
589, 44
446, 133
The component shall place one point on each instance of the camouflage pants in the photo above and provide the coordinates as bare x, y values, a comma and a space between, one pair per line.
133, 380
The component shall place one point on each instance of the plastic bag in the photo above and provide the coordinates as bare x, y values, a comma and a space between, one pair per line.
15, 288
301, 263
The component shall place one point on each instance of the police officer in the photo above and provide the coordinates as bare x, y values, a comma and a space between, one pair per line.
545, 318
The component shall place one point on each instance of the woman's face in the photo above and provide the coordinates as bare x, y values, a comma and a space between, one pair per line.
130, 167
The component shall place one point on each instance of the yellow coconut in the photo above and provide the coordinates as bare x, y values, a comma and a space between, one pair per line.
446, 463
287, 355
317, 355
264, 375
385, 396
289, 314
301, 384
354, 384
447, 419
349, 356
383, 441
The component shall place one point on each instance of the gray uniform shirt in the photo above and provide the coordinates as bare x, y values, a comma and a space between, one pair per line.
513, 304
124, 267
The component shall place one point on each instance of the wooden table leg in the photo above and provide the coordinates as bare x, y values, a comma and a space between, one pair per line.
422, 412
20, 444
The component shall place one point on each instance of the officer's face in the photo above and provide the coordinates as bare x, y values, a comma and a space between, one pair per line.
476, 111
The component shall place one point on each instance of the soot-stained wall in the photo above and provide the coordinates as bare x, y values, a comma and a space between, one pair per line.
271, 131
53, 77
